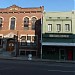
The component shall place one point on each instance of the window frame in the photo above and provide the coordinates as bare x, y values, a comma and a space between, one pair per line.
33, 21
58, 28
14, 23
23, 43
1, 22
50, 27
26, 23
67, 27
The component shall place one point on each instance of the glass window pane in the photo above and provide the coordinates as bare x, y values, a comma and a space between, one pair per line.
67, 27
33, 22
26, 23
29, 38
58, 27
49, 27
23, 41
12, 26
0, 23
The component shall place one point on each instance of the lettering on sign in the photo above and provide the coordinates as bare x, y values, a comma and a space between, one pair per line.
65, 36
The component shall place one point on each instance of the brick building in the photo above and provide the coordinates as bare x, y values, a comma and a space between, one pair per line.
20, 30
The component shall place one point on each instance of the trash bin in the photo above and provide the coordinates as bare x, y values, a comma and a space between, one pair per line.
29, 56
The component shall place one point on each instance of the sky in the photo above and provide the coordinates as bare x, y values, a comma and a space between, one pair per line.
49, 5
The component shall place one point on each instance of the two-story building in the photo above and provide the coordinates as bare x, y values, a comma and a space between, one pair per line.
20, 30
58, 35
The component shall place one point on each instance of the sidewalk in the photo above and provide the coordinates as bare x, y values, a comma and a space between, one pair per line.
22, 58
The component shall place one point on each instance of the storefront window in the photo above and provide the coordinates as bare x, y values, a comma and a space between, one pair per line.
23, 41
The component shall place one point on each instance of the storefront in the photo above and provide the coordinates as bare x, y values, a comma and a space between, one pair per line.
58, 52
58, 46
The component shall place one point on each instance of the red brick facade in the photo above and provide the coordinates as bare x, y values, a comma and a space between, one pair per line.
7, 33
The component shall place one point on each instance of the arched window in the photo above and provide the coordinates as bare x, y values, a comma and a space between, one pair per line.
12, 25
33, 23
1, 23
26, 23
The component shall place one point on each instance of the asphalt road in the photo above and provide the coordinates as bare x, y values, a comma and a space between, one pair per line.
14, 67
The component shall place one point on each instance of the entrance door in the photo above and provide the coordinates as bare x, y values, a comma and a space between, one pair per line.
62, 54
10, 46
70, 54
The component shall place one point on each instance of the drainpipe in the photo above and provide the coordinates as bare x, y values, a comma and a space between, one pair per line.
41, 36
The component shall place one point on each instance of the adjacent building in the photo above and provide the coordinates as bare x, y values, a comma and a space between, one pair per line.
58, 35
50, 35
20, 30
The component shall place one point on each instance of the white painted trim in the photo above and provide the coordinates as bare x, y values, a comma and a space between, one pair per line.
25, 17
22, 35
10, 21
1, 35
57, 44
9, 35
35, 17
27, 35
2, 17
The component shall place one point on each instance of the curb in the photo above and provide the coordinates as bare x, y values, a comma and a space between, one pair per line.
37, 60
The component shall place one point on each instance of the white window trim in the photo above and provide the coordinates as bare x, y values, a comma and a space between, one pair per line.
25, 17
66, 27
2, 18
26, 37
10, 22
35, 17
50, 27
20, 38
58, 27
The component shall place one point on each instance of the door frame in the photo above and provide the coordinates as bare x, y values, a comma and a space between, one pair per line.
10, 42
60, 53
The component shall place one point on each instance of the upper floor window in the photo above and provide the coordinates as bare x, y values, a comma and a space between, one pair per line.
33, 23
58, 27
67, 27
26, 23
49, 27
1, 23
12, 25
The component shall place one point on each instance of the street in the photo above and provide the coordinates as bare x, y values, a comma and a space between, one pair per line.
16, 67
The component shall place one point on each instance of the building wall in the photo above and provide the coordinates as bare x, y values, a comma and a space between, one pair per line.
58, 44
19, 14
53, 18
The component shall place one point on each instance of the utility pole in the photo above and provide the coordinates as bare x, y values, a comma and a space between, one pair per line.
16, 40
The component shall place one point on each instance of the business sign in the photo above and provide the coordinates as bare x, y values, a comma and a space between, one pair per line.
63, 36
58, 35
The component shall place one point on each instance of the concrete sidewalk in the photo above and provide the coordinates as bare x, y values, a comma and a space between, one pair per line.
22, 58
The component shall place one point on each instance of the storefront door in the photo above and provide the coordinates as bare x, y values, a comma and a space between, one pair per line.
62, 54
10, 46
70, 54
